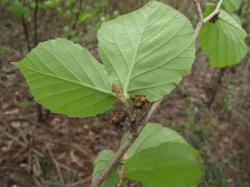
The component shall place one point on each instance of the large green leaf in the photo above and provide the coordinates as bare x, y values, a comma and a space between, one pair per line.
223, 41
167, 165
100, 163
65, 78
153, 135
148, 51
231, 5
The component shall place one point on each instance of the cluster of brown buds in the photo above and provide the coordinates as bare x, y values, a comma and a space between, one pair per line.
140, 101
130, 116
118, 118
215, 18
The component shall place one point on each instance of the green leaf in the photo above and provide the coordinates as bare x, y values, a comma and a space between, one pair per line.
153, 135
231, 5
236, 18
161, 157
148, 51
66, 78
223, 41
100, 163
167, 165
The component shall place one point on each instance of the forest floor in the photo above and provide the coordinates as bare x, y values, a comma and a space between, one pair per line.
60, 151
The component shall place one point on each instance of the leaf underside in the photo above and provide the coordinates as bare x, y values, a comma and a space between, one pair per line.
223, 41
147, 51
66, 78
231, 5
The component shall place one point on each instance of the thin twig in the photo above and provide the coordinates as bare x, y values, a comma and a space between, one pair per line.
131, 137
58, 169
38, 153
77, 15
25, 32
35, 22
22, 144
196, 33
124, 147
80, 183
208, 18
36, 181
36, 175
218, 83
40, 117
198, 8
15, 139
39, 113
214, 13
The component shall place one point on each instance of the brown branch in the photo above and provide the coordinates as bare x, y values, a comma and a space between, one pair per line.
76, 20
77, 15
58, 169
35, 22
214, 13
198, 8
124, 147
118, 155
196, 33
25, 32
132, 137
206, 19
218, 83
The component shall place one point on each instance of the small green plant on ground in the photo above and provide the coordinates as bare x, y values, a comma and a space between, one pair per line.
145, 54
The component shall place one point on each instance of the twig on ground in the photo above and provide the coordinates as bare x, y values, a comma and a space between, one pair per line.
20, 131
38, 153
80, 183
58, 169
15, 139
38, 184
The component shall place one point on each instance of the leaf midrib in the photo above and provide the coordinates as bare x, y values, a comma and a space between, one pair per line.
126, 85
134, 60
79, 83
